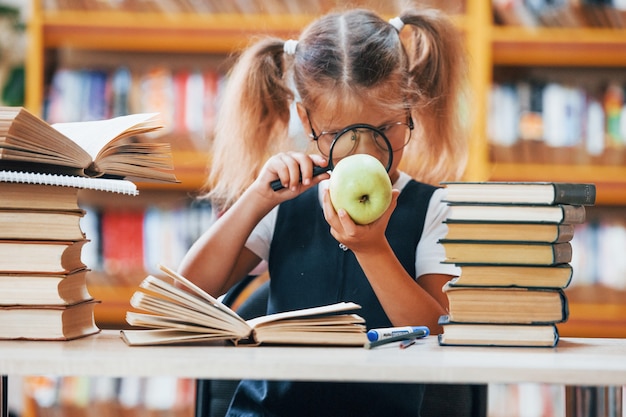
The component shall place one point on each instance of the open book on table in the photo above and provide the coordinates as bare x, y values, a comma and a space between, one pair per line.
174, 310
90, 148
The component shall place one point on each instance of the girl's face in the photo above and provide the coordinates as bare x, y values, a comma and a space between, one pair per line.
322, 122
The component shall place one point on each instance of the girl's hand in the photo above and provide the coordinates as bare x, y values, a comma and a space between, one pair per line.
358, 238
295, 172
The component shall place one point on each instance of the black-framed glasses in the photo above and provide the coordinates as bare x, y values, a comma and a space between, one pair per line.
344, 143
398, 134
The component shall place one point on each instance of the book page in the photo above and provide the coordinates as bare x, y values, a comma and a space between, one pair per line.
162, 310
198, 291
163, 337
93, 136
306, 312
28, 138
190, 305
194, 326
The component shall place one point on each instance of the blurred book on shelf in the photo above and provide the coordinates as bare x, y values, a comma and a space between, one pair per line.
566, 122
599, 246
526, 398
122, 244
159, 233
186, 99
561, 13
281, 7
105, 396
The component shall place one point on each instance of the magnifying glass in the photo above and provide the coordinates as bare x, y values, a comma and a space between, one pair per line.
345, 142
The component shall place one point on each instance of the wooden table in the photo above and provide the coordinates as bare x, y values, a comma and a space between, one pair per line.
574, 362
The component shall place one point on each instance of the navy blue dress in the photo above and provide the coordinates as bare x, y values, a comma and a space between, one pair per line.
308, 268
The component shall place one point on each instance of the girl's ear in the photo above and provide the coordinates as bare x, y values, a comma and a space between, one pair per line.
304, 118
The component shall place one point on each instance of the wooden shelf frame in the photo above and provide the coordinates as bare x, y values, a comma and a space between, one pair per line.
586, 47
488, 45
125, 31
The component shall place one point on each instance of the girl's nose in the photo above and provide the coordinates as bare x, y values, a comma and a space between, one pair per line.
366, 143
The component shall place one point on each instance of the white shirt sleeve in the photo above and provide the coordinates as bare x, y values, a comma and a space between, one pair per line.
260, 239
430, 253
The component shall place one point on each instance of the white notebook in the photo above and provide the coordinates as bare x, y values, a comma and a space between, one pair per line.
120, 186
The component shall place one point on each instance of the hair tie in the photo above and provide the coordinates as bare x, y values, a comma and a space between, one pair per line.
290, 46
397, 23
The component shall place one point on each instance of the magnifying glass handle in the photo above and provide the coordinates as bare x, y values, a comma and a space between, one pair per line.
276, 184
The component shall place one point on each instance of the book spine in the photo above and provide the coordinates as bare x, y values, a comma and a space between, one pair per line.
565, 233
576, 194
573, 214
562, 253
564, 306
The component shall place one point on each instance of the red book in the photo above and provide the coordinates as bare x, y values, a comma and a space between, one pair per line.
122, 242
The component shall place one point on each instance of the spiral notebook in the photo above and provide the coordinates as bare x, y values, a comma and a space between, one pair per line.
120, 186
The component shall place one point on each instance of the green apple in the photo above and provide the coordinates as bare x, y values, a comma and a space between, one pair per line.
360, 185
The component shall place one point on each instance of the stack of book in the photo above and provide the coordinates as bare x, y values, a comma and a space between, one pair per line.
43, 286
511, 242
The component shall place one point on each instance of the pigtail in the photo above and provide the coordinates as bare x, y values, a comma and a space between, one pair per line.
252, 122
437, 77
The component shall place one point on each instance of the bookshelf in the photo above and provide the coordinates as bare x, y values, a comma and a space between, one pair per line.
223, 33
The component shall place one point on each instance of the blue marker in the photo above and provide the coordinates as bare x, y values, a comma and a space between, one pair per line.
374, 335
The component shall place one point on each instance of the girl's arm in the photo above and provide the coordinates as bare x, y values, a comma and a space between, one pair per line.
404, 300
219, 258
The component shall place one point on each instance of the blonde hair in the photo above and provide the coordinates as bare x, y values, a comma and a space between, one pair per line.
357, 55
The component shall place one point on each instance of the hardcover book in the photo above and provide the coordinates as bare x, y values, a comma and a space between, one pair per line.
17, 196
485, 275
511, 232
48, 322
546, 193
510, 213
44, 289
41, 256
490, 334
506, 253
41, 225
506, 305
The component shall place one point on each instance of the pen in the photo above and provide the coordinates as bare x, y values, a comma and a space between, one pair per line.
406, 343
405, 336
385, 333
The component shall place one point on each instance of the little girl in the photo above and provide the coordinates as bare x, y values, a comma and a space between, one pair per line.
345, 69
